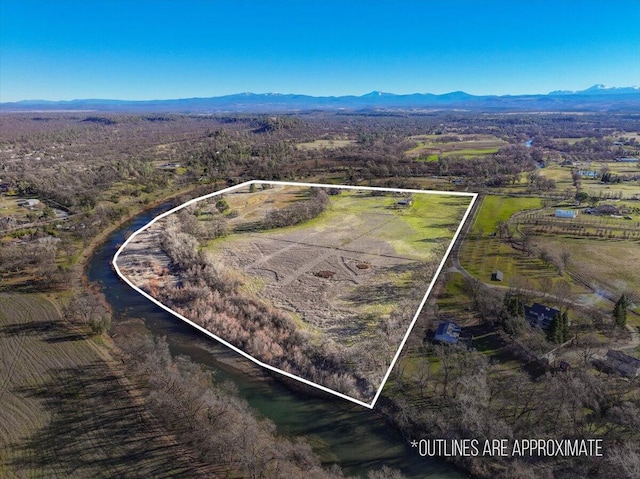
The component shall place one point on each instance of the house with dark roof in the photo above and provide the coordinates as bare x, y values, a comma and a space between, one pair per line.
539, 315
623, 363
497, 275
447, 332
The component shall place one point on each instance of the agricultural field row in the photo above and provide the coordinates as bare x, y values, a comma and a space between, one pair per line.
54, 419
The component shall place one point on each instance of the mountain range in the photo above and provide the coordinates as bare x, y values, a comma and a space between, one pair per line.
596, 98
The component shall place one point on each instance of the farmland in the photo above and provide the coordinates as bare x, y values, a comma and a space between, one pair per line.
430, 147
54, 421
482, 253
486, 250
562, 175
363, 241
350, 279
495, 209
335, 289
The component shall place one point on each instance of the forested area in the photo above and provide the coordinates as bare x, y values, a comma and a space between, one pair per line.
298, 212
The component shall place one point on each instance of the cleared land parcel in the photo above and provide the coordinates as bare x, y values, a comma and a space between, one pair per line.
321, 283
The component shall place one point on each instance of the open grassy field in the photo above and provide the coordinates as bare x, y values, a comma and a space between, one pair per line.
482, 252
66, 411
429, 147
325, 144
613, 264
349, 279
364, 242
497, 208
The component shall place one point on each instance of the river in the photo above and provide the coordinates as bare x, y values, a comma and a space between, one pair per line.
355, 438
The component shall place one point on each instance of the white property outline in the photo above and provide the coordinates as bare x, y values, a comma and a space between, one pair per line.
371, 405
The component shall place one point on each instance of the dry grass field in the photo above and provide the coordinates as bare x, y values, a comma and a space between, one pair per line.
612, 264
345, 272
355, 274
325, 144
66, 411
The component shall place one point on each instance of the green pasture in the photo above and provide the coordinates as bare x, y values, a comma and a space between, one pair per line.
496, 208
417, 231
433, 219
466, 152
430, 221
428, 148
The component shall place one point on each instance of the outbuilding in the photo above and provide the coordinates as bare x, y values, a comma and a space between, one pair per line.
566, 213
623, 363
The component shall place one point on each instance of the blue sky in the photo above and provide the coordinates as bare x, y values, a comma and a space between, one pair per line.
156, 49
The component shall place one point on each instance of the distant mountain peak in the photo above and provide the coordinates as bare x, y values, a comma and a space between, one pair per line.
377, 93
599, 89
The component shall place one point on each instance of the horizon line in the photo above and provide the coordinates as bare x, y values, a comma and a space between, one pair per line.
596, 86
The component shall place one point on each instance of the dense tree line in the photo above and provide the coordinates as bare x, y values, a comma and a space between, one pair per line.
221, 429
298, 212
